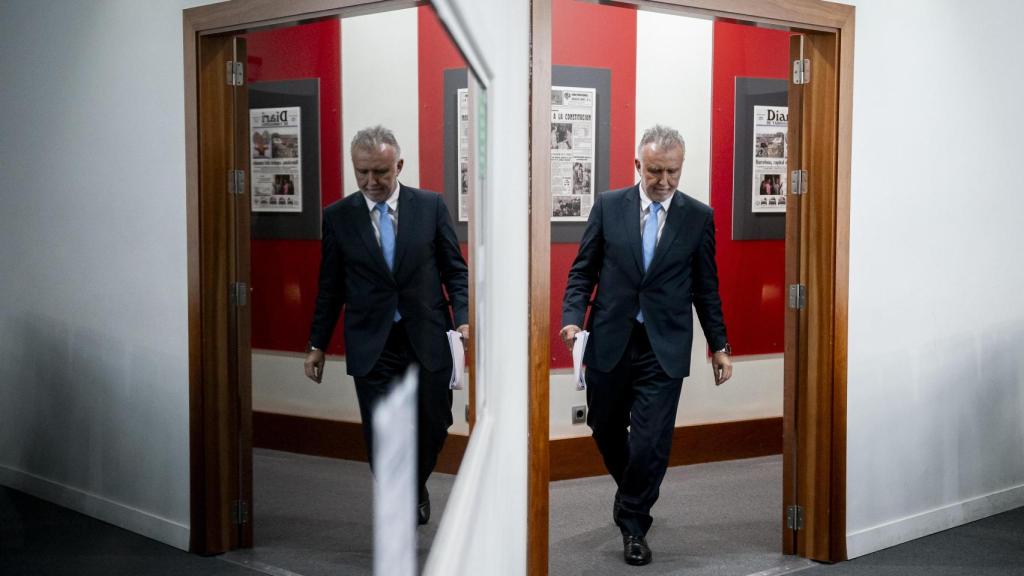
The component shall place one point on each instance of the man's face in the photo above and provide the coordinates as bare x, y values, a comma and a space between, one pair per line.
377, 170
660, 168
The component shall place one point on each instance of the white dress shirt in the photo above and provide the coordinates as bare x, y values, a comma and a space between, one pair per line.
645, 210
392, 202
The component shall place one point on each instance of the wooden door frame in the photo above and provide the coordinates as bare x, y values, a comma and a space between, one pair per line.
824, 476
209, 527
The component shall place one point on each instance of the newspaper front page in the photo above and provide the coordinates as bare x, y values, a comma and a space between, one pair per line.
462, 158
769, 173
573, 112
276, 159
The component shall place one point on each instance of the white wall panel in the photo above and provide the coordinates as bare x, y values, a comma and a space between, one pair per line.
280, 386
380, 85
936, 337
673, 87
93, 326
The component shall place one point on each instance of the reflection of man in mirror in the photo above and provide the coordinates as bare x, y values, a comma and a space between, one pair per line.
389, 254
650, 250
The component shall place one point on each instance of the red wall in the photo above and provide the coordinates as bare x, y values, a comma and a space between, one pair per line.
284, 272
437, 53
751, 272
597, 37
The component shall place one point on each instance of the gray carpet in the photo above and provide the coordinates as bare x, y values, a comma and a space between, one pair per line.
992, 546
711, 519
313, 516
312, 519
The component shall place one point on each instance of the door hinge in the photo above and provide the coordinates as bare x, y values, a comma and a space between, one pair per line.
235, 73
798, 182
797, 296
802, 71
240, 512
238, 293
236, 181
795, 517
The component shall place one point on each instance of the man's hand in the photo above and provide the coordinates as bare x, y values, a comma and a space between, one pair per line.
464, 332
314, 365
722, 366
568, 335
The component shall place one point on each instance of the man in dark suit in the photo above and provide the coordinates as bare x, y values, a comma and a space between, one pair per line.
650, 250
389, 254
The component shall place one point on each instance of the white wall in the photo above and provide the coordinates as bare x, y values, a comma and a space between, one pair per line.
93, 326
280, 386
380, 85
936, 381
484, 526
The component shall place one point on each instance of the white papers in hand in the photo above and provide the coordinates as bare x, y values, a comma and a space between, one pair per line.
458, 359
578, 371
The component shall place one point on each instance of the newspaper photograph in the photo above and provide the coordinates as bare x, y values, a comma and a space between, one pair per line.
769, 173
462, 158
276, 159
573, 122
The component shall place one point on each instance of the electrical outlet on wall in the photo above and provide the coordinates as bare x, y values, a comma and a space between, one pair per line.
579, 414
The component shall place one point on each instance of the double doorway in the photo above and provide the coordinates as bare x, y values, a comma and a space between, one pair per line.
813, 422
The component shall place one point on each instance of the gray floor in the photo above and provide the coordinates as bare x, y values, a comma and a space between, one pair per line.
711, 519
313, 516
695, 531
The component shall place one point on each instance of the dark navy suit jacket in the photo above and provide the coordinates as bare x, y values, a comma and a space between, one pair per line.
682, 276
354, 275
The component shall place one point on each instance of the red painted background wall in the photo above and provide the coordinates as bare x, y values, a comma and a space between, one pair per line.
751, 272
597, 37
284, 272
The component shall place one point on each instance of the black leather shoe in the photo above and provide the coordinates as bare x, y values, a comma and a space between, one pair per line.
423, 508
616, 510
635, 550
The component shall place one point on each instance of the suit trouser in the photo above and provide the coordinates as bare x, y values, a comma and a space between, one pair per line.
433, 396
639, 395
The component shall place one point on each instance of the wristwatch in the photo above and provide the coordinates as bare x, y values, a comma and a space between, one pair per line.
727, 350
310, 348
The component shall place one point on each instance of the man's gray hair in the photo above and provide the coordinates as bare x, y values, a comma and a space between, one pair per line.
374, 137
662, 137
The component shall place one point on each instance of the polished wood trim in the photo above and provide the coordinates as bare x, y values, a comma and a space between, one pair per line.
792, 354
807, 14
570, 457
579, 457
241, 256
197, 502
815, 391
841, 288
237, 15
218, 409
538, 449
334, 439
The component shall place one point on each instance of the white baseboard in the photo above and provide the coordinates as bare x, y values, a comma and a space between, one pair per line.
133, 519
916, 526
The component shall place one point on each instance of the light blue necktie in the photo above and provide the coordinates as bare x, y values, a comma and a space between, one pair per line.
387, 240
650, 240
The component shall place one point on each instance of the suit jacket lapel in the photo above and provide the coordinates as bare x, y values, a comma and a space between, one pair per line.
364, 226
631, 207
406, 206
673, 223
